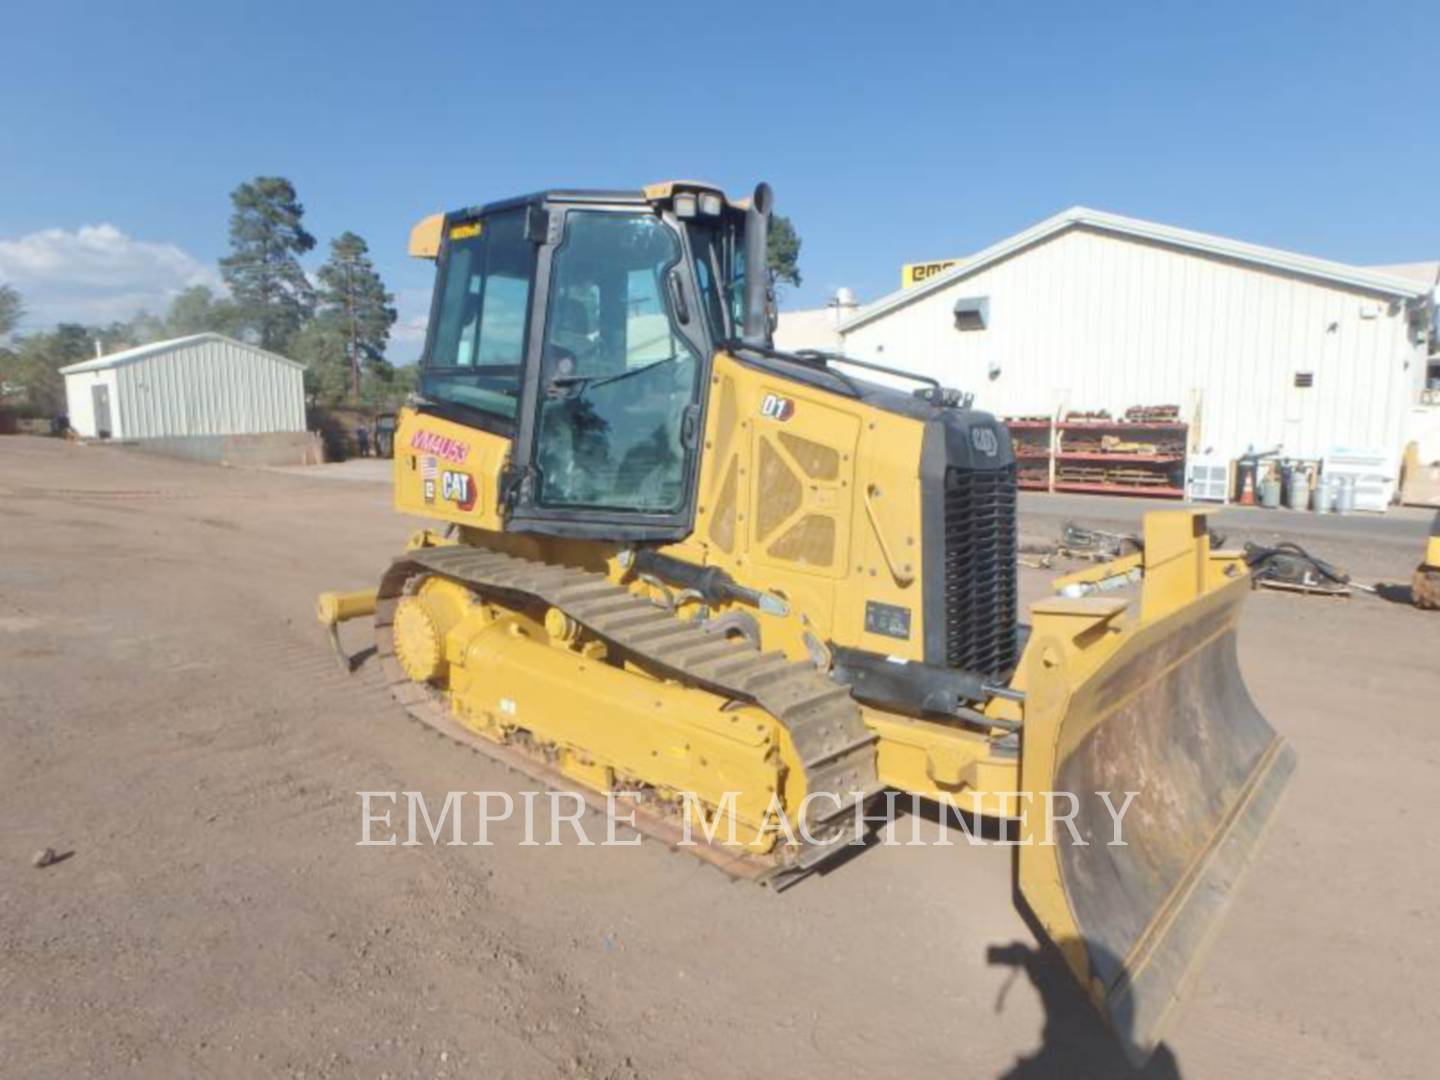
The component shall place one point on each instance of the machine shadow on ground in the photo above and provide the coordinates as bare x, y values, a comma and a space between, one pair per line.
1395, 593
1075, 1042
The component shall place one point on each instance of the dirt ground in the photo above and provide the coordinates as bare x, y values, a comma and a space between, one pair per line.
173, 721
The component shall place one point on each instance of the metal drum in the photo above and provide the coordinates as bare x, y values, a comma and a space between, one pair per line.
1322, 500
1345, 495
1270, 493
1298, 495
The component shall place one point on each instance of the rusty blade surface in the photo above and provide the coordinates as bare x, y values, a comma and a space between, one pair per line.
1170, 719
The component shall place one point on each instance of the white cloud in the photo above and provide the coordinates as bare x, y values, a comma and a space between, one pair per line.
407, 336
96, 274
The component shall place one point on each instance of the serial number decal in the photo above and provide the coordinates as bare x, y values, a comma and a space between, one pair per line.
442, 446
775, 407
888, 619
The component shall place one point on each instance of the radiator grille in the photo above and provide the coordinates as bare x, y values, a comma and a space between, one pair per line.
980, 570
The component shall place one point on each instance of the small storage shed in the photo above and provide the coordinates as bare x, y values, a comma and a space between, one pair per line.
204, 385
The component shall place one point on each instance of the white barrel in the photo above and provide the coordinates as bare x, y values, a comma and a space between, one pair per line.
1298, 497
1345, 495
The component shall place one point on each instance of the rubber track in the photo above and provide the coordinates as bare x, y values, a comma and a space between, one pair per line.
836, 750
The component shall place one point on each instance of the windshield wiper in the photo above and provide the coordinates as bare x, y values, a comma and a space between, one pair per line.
584, 382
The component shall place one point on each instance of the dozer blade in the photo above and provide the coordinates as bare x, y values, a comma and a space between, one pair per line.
1150, 702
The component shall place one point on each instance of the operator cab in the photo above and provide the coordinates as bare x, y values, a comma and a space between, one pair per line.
581, 325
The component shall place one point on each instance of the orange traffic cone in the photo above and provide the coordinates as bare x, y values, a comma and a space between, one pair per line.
1247, 493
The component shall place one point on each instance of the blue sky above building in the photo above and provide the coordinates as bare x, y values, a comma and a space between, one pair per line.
891, 133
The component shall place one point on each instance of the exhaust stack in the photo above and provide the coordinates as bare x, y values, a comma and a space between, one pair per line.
756, 330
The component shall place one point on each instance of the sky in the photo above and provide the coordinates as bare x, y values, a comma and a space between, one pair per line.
891, 133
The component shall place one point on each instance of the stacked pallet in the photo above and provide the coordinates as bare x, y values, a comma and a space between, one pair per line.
1031, 437
1143, 454
1153, 414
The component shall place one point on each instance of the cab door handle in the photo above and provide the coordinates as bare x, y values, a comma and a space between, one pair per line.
677, 296
690, 427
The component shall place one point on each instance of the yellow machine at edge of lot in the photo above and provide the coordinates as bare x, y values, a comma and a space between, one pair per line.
1425, 585
750, 590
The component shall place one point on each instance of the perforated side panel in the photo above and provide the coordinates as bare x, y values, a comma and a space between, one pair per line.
820, 462
726, 422
722, 525
810, 540
779, 491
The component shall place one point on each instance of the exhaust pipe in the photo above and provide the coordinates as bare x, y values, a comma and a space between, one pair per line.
756, 330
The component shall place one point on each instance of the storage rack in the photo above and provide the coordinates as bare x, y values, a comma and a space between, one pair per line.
1032, 438
1083, 463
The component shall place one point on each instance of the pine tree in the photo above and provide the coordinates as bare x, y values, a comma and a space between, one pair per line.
38, 358
11, 309
322, 347
782, 252
263, 270
353, 299
197, 310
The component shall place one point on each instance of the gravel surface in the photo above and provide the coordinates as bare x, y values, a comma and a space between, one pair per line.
177, 734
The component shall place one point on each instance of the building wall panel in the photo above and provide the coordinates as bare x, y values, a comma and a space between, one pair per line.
1094, 320
212, 387
79, 402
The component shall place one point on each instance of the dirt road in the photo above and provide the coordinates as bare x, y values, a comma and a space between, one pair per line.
171, 715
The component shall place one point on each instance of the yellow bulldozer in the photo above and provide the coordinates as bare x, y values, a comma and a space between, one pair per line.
752, 590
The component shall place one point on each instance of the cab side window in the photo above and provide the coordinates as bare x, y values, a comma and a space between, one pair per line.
477, 347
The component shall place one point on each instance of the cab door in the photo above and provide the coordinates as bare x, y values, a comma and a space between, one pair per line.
612, 416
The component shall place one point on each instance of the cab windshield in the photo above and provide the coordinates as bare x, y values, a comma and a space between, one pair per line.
477, 345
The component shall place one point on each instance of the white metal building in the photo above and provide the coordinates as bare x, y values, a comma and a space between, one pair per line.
1089, 310
816, 328
201, 386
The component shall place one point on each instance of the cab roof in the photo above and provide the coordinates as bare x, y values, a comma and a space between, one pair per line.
660, 192
425, 236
